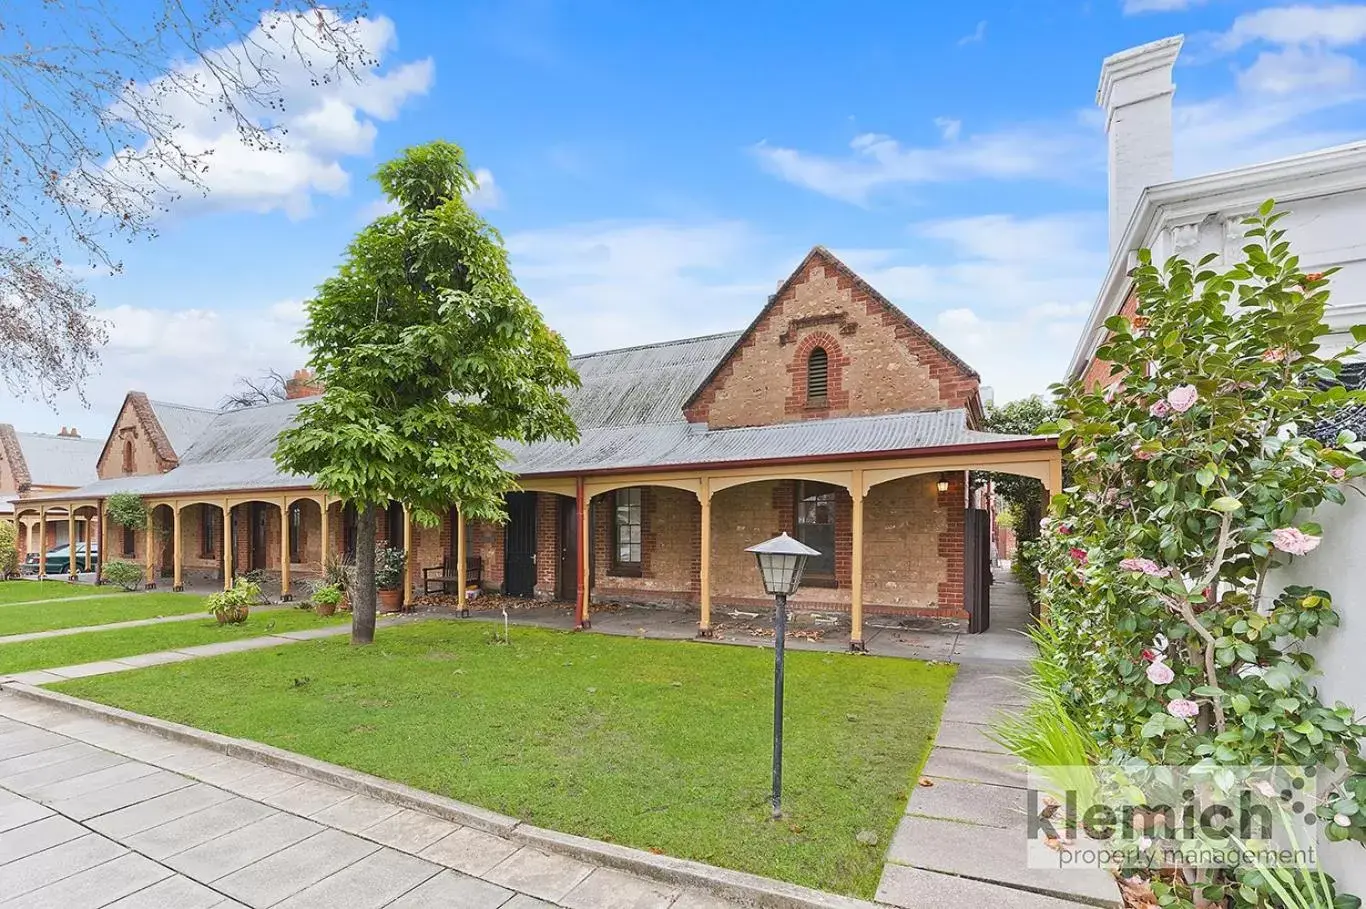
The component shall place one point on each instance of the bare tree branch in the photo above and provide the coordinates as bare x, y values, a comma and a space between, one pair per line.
93, 145
267, 388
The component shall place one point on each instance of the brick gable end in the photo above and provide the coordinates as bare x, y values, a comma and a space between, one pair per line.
879, 360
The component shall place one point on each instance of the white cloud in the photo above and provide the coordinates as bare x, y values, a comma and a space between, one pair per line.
488, 194
1329, 26
612, 284
949, 128
1297, 69
1006, 293
877, 162
187, 356
977, 35
321, 124
1135, 7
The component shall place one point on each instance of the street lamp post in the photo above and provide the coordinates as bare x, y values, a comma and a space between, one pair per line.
781, 562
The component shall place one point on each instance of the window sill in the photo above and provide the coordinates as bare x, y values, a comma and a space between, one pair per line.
822, 403
820, 582
625, 571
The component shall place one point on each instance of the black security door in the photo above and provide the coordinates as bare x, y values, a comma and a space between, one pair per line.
519, 557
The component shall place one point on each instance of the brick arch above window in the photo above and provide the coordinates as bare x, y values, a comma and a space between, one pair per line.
799, 403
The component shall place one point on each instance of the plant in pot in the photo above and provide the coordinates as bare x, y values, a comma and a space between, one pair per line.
232, 606
389, 565
326, 599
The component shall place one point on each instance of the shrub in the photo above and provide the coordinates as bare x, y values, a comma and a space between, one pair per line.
1190, 482
389, 563
327, 595
128, 575
9, 551
126, 509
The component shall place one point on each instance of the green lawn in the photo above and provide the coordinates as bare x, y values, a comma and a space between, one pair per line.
23, 591
108, 645
663, 745
50, 615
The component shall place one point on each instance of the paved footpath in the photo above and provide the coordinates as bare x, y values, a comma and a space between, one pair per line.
95, 814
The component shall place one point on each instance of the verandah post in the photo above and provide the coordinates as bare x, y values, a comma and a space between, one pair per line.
704, 565
581, 504
856, 567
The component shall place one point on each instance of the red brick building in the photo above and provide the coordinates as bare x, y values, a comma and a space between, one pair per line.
832, 416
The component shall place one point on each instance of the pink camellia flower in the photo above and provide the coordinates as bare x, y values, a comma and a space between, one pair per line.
1160, 409
1182, 398
1141, 453
1079, 555
1180, 707
1144, 566
1294, 541
1274, 355
1159, 673
1148, 654
1338, 473
1064, 529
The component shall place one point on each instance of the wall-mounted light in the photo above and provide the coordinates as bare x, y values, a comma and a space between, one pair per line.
943, 484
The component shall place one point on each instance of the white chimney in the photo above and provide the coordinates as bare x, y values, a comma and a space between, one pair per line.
1136, 94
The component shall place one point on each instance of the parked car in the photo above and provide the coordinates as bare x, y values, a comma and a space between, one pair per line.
59, 559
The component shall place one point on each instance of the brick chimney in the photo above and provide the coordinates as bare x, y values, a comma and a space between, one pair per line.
1135, 92
302, 384
69, 433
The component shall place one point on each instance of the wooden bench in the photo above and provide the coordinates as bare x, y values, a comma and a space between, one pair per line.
445, 576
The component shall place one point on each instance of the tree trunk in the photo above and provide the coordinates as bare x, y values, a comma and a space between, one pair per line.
363, 601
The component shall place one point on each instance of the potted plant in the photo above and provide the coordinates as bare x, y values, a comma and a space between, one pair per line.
389, 565
325, 599
232, 606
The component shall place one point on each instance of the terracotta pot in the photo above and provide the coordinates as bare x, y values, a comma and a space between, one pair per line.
390, 600
345, 604
234, 616
325, 608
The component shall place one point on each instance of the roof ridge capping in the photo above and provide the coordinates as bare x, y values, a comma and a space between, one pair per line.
654, 344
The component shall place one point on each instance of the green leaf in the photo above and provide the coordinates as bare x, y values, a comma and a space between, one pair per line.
1226, 504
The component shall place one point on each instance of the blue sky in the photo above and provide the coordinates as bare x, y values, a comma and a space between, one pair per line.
658, 169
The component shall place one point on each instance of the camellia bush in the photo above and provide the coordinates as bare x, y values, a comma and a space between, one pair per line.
1192, 476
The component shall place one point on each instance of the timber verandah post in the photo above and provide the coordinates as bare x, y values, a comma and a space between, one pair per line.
285, 595
148, 581
585, 553
704, 629
42, 542
856, 492
177, 569
71, 566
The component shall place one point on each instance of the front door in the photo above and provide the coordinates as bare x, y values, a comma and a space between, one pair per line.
567, 580
256, 546
519, 552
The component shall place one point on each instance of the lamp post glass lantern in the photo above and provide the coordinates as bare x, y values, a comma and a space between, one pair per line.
781, 563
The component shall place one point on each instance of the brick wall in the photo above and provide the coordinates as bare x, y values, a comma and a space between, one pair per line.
671, 537
134, 431
903, 521
952, 504
878, 363
1098, 371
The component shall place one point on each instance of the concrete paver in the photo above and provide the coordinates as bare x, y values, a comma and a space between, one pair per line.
96, 823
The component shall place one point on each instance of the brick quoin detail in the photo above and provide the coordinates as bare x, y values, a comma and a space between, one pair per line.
836, 398
951, 540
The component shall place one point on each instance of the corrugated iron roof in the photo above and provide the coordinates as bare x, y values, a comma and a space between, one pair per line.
629, 410
642, 385
59, 460
617, 448
182, 423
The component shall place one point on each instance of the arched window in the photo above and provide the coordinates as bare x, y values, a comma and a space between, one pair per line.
129, 464
817, 374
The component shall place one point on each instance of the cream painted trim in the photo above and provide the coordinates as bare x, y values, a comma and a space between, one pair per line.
688, 482
565, 487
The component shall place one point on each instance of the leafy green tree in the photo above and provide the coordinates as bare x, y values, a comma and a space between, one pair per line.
1023, 495
430, 359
